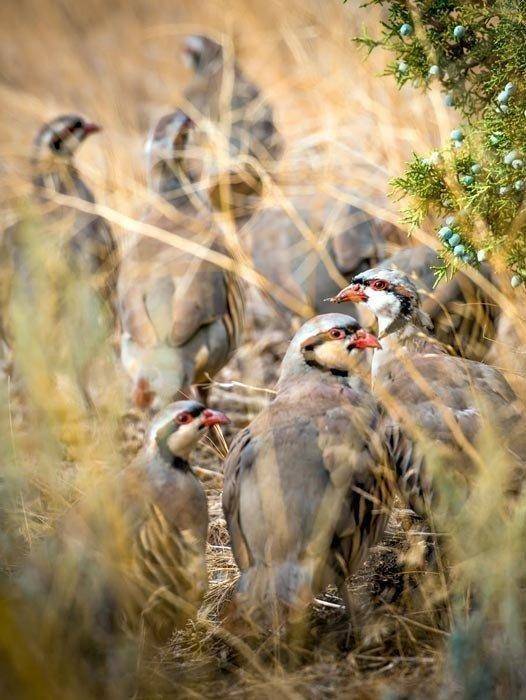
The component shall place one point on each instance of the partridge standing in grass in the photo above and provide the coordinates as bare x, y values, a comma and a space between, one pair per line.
89, 244
464, 317
181, 315
446, 403
308, 486
222, 94
168, 510
71, 252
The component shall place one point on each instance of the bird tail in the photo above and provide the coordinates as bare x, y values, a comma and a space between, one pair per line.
274, 596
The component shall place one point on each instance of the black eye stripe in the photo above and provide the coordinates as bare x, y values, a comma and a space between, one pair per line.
372, 281
194, 412
348, 330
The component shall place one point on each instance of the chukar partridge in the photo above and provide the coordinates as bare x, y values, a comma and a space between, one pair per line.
58, 256
222, 94
445, 403
464, 318
181, 315
168, 511
89, 244
307, 484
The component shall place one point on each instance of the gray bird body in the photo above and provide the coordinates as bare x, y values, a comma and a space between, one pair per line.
90, 246
279, 250
84, 241
182, 316
306, 490
177, 492
222, 94
250, 117
167, 512
447, 404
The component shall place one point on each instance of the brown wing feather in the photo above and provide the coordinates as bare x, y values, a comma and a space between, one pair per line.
167, 294
232, 468
312, 472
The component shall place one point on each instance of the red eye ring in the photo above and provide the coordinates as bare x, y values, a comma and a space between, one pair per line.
184, 417
379, 285
336, 334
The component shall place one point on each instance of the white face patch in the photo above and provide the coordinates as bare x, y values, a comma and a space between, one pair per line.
72, 142
185, 438
334, 354
383, 304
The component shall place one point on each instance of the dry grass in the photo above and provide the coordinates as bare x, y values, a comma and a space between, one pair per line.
119, 63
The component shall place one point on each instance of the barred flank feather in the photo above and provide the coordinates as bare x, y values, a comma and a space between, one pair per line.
234, 319
409, 469
170, 574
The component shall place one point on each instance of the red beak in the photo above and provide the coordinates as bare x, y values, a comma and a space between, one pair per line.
211, 418
91, 129
354, 292
363, 339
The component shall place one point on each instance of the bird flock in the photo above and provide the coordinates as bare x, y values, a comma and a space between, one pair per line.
358, 418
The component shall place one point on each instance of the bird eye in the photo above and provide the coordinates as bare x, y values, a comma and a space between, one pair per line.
56, 144
76, 125
336, 333
379, 285
184, 417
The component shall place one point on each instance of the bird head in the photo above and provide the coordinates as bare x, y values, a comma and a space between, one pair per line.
390, 295
169, 138
171, 169
201, 53
177, 429
61, 137
330, 343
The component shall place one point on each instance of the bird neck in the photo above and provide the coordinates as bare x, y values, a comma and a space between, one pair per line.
329, 370
174, 461
312, 371
389, 324
399, 339
56, 175
210, 66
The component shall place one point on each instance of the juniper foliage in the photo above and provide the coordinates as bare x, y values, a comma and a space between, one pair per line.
475, 51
